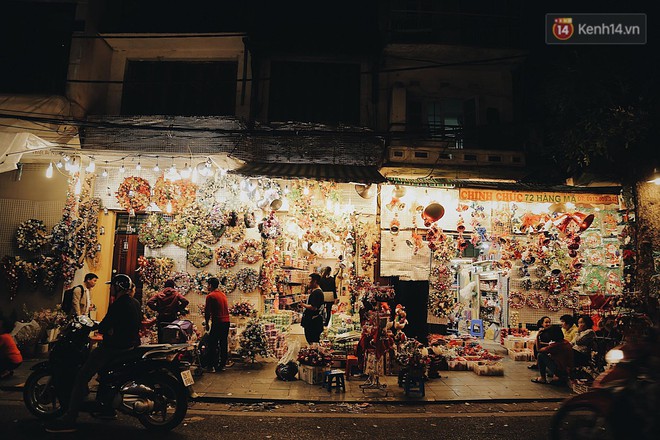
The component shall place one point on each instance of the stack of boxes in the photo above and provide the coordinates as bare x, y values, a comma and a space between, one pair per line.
275, 339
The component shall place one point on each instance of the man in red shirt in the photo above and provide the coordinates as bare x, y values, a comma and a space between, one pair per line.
217, 310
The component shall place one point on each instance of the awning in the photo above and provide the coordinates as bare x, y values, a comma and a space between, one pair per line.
317, 171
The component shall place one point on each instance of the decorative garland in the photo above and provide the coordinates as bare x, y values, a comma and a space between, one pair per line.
534, 300
31, 235
553, 303
9, 273
227, 280
226, 256
247, 279
183, 282
516, 300
235, 233
179, 194
49, 272
155, 232
200, 255
250, 251
134, 194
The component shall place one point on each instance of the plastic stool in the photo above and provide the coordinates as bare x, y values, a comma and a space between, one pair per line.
351, 361
477, 328
334, 378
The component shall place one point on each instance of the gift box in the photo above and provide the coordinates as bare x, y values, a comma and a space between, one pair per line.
521, 355
311, 375
489, 369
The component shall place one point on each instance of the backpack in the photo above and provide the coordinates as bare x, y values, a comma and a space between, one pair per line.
67, 299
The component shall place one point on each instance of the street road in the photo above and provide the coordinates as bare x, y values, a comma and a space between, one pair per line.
299, 421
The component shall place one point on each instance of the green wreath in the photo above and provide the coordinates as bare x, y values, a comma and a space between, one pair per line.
200, 255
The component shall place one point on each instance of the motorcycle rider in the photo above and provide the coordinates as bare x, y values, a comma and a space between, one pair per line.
168, 303
120, 329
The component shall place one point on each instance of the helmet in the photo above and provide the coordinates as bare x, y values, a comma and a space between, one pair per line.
121, 282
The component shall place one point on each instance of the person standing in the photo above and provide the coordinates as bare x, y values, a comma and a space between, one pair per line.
82, 300
121, 332
312, 321
329, 288
217, 311
10, 355
168, 303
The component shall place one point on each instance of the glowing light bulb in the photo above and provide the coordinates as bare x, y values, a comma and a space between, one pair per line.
156, 168
49, 171
91, 167
59, 165
105, 173
195, 175
122, 170
138, 167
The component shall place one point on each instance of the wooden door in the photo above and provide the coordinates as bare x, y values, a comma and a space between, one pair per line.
125, 259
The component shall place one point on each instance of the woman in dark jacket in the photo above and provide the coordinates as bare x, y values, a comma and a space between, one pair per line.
329, 289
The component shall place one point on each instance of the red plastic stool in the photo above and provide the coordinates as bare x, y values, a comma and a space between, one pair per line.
351, 361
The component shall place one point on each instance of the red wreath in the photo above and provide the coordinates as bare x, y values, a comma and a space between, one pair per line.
134, 193
179, 194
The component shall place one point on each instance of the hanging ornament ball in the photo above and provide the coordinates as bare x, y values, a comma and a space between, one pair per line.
276, 204
432, 213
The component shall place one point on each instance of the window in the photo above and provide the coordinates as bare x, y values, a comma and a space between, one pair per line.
180, 88
314, 92
442, 119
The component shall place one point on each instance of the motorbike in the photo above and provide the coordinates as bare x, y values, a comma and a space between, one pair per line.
149, 382
623, 400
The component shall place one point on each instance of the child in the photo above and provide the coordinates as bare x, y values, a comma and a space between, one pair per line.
10, 356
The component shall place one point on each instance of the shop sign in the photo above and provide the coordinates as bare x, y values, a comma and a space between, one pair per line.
484, 195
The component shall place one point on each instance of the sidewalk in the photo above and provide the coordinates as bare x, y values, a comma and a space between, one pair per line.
255, 383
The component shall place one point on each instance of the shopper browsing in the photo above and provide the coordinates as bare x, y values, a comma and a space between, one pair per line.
217, 312
312, 321
329, 288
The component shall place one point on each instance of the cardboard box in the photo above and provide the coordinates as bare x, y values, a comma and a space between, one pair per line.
521, 355
311, 375
489, 369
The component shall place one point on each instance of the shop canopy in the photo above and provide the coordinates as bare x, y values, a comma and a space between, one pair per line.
317, 171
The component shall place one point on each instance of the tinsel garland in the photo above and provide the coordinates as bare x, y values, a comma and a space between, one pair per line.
253, 341
134, 194
227, 280
247, 279
31, 235
155, 231
200, 255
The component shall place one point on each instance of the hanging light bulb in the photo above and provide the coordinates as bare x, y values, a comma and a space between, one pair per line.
78, 188
156, 168
59, 164
185, 172
92, 166
286, 189
67, 165
49, 171
122, 169
223, 172
105, 173
195, 175
138, 167
168, 208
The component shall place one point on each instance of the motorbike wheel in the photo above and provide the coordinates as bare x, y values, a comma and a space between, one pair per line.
165, 415
40, 397
581, 421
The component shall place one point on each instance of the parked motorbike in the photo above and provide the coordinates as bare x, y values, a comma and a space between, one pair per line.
623, 401
148, 382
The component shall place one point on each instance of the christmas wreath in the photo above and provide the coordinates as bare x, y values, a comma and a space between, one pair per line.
201, 281
154, 271
553, 303
217, 220
247, 279
31, 235
183, 282
270, 227
250, 251
571, 300
155, 232
516, 300
242, 308
134, 193
235, 233
226, 256
227, 280
200, 255
534, 300
178, 194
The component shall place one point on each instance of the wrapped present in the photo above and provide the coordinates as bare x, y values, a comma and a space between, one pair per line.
485, 368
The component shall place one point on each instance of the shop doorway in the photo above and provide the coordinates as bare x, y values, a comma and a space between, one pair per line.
127, 249
413, 295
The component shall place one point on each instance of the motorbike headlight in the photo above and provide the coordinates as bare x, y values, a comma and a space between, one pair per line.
614, 356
